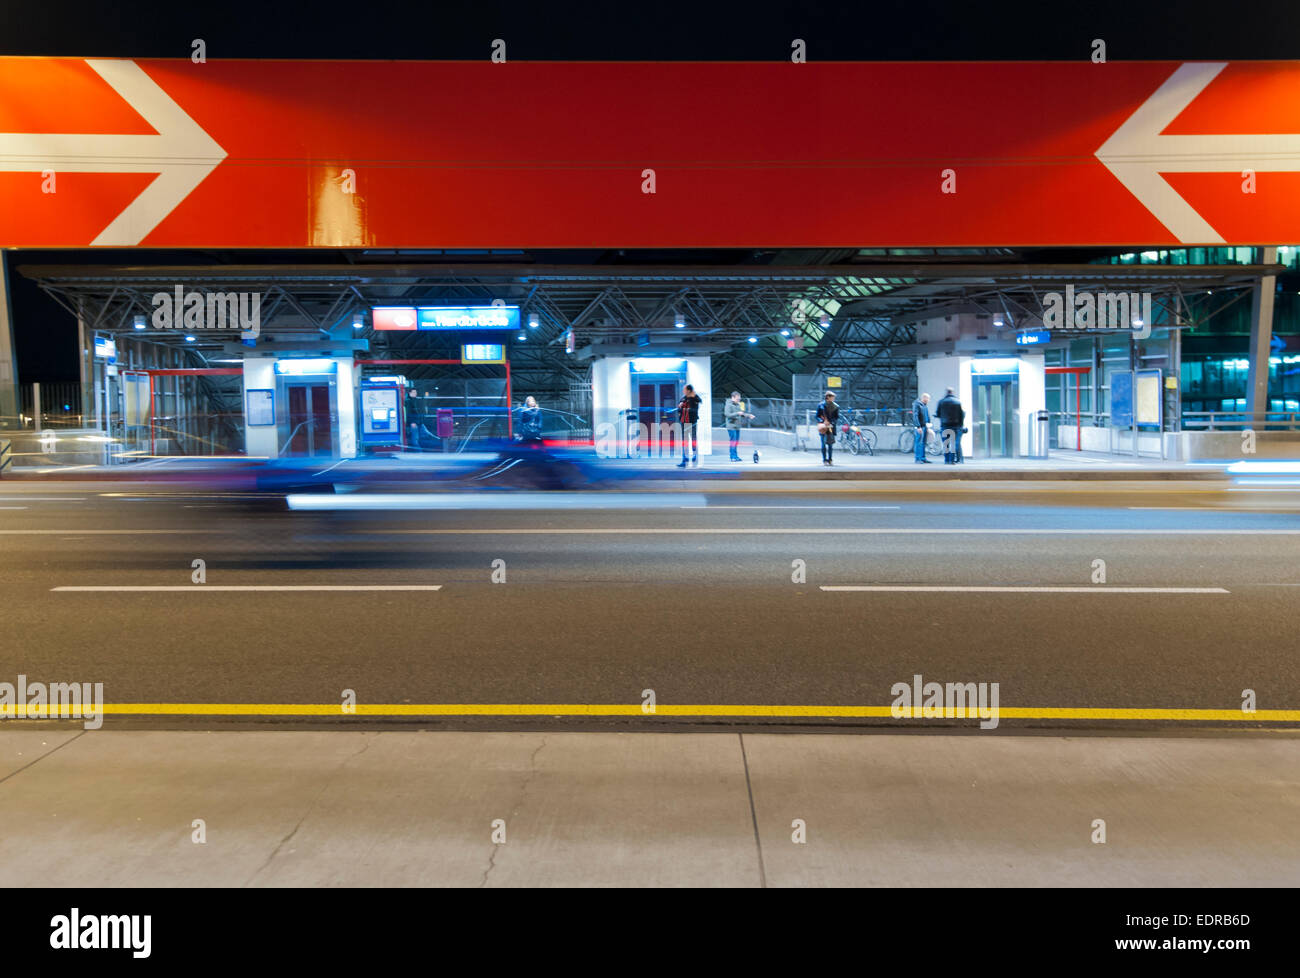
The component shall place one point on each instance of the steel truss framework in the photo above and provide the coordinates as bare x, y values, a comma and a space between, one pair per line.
852, 318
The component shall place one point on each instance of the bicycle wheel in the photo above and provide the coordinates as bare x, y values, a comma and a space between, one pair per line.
869, 441
852, 443
907, 440
933, 443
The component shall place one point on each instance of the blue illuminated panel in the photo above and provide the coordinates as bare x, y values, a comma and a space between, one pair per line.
482, 353
467, 317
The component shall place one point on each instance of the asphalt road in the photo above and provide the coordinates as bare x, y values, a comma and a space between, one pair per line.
694, 595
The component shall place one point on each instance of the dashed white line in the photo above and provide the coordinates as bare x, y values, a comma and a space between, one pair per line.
198, 588
1041, 589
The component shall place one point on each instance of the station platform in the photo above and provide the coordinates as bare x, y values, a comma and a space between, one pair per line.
120, 808
774, 464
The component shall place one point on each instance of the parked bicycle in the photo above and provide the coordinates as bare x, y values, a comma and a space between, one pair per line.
857, 439
933, 443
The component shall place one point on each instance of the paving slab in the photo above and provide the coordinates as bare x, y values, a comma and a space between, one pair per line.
1019, 811
412, 808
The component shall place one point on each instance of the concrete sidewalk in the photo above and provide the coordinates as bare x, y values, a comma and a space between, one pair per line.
408, 808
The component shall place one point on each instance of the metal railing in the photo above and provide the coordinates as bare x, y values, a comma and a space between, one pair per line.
768, 412
1239, 420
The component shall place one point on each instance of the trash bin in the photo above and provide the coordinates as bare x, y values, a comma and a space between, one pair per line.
1039, 434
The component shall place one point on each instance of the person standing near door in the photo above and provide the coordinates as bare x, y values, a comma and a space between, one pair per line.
530, 422
688, 413
921, 422
950, 415
828, 416
734, 411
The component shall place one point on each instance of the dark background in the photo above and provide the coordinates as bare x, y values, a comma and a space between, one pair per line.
616, 30
867, 30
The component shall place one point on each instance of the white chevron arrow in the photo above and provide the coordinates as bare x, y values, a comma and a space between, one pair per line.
181, 153
1137, 153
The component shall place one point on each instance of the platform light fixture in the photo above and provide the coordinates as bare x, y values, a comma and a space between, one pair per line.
656, 364
138, 322
306, 365
358, 321
533, 321
995, 365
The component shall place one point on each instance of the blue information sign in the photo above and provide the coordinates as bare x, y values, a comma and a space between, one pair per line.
452, 318
1121, 399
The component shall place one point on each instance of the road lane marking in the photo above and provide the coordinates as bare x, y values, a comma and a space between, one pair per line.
192, 588
13, 507
1044, 589
487, 500
1208, 509
42, 499
926, 530
81, 533
1191, 715
762, 506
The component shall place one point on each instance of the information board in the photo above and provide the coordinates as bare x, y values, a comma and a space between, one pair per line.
1121, 399
261, 407
1147, 400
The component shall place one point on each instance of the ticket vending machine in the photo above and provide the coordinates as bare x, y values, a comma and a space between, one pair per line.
383, 410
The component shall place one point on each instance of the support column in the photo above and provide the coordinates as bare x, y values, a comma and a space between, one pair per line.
1261, 340
8, 358
84, 360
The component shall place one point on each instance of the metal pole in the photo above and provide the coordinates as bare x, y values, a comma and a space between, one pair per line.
1078, 412
10, 407
82, 369
1261, 340
510, 425
1176, 355
36, 404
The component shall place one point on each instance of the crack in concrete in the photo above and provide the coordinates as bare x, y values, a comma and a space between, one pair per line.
753, 814
43, 756
523, 790
310, 808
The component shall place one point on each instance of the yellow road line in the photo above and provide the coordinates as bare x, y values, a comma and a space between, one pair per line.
668, 710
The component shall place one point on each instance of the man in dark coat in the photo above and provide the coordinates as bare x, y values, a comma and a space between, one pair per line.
951, 416
688, 413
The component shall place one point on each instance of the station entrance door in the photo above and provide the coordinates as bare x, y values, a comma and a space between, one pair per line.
994, 420
311, 431
656, 403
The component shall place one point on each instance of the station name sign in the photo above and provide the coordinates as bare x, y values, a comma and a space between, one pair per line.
1033, 337
445, 318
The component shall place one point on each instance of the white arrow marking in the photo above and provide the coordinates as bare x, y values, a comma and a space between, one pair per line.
181, 153
1137, 153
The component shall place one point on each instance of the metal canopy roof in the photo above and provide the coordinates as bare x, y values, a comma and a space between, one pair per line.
871, 308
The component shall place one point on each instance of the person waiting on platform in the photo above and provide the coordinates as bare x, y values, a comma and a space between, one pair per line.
734, 411
921, 426
828, 416
951, 417
688, 413
530, 422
